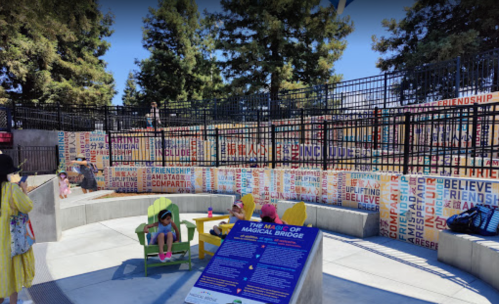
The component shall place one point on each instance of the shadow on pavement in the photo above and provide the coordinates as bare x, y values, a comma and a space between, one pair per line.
338, 290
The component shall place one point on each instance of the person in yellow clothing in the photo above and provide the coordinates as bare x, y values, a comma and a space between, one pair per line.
18, 271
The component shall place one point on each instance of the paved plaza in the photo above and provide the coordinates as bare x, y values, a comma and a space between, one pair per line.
102, 263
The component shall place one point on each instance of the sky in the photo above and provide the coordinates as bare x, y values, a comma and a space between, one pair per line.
358, 60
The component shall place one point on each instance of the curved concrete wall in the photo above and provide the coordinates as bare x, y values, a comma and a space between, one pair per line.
358, 223
106, 209
476, 254
45, 216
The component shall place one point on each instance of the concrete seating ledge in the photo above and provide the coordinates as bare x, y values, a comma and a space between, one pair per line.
91, 211
476, 254
353, 222
358, 223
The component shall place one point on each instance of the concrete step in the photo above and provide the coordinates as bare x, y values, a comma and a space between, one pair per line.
80, 199
75, 191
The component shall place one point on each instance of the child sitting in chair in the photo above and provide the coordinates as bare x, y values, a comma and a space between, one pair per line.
237, 213
269, 215
167, 232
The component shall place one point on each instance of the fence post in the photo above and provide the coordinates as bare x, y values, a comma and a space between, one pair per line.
273, 146
474, 128
119, 112
9, 120
258, 126
59, 116
217, 156
19, 158
327, 93
166, 116
215, 116
57, 163
13, 114
302, 128
458, 76
376, 124
205, 131
385, 89
106, 119
163, 147
407, 134
155, 121
324, 146
110, 149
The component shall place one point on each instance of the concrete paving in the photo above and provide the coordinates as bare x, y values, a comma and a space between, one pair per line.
102, 263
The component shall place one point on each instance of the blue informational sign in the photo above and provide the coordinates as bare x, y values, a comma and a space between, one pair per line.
258, 263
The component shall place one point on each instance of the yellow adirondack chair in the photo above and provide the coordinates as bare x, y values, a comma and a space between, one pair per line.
249, 207
296, 215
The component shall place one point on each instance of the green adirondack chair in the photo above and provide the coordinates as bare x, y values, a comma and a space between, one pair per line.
182, 247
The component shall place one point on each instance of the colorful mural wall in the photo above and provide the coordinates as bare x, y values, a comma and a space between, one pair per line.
189, 153
138, 149
412, 207
91, 144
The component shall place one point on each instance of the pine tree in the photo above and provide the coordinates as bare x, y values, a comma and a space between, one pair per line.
177, 69
130, 94
271, 44
435, 31
50, 52
438, 30
213, 86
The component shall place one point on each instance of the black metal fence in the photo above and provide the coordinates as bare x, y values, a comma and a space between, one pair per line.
459, 77
5, 119
458, 141
35, 159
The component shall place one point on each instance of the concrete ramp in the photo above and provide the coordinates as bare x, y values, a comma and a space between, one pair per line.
80, 199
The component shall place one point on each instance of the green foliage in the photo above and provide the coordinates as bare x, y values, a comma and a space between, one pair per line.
50, 52
178, 68
437, 30
131, 97
272, 44
214, 86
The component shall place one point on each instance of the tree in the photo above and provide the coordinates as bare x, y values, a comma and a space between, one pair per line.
435, 31
270, 43
131, 96
213, 82
438, 30
50, 52
177, 69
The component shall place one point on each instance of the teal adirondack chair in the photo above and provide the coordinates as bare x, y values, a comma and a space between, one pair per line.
182, 247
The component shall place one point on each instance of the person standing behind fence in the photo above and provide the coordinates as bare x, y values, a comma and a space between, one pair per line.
149, 121
89, 182
155, 115
17, 271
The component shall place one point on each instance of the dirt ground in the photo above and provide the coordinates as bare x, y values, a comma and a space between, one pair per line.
125, 194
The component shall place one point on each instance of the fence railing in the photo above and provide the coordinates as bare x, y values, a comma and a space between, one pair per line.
5, 119
459, 141
35, 159
459, 77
